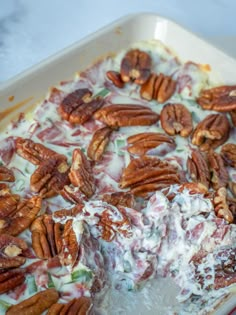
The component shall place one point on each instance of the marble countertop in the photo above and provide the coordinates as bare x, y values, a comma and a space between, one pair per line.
31, 31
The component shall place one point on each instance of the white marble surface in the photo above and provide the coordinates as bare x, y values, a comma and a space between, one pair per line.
32, 30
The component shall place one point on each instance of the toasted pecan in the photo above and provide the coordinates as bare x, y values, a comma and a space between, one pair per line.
158, 87
80, 306
115, 78
221, 98
228, 152
176, 119
136, 66
98, 143
36, 304
141, 143
81, 173
219, 173
119, 198
211, 132
11, 279
121, 115
6, 174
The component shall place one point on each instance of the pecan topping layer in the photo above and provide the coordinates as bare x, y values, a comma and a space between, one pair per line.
36, 304
219, 173
158, 87
98, 143
11, 279
228, 152
6, 174
34, 152
141, 143
80, 306
115, 78
15, 222
119, 198
220, 99
81, 173
148, 174
78, 106
233, 117
221, 206
135, 66
121, 115
176, 119
50, 238
11, 249
50, 177
211, 132
198, 168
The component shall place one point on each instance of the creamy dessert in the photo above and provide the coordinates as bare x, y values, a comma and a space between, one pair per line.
121, 177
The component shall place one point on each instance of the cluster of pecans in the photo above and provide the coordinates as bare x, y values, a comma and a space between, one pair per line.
207, 172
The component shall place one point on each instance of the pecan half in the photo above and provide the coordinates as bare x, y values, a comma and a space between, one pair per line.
78, 106
11, 249
50, 238
81, 173
221, 98
36, 304
80, 306
119, 198
148, 174
46, 237
158, 87
141, 143
25, 213
11, 279
73, 194
219, 173
194, 188
228, 152
34, 152
8, 203
50, 177
211, 132
198, 168
121, 115
6, 174
115, 78
221, 206
176, 119
233, 117
135, 66
98, 143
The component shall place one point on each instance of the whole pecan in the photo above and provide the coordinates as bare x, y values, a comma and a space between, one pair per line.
36, 304
148, 174
6, 174
98, 143
221, 206
80, 306
198, 168
228, 152
34, 152
136, 66
119, 198
211, 132
25, 213
11, 249
115, 78
219, 173
158, 87
46, 236
121, 115
176, 119
78, 106
50, 177
81, 173
11, 279
141, 143
221, 98
233, 117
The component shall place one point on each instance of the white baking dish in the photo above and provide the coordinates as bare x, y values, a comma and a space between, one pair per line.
29, 87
